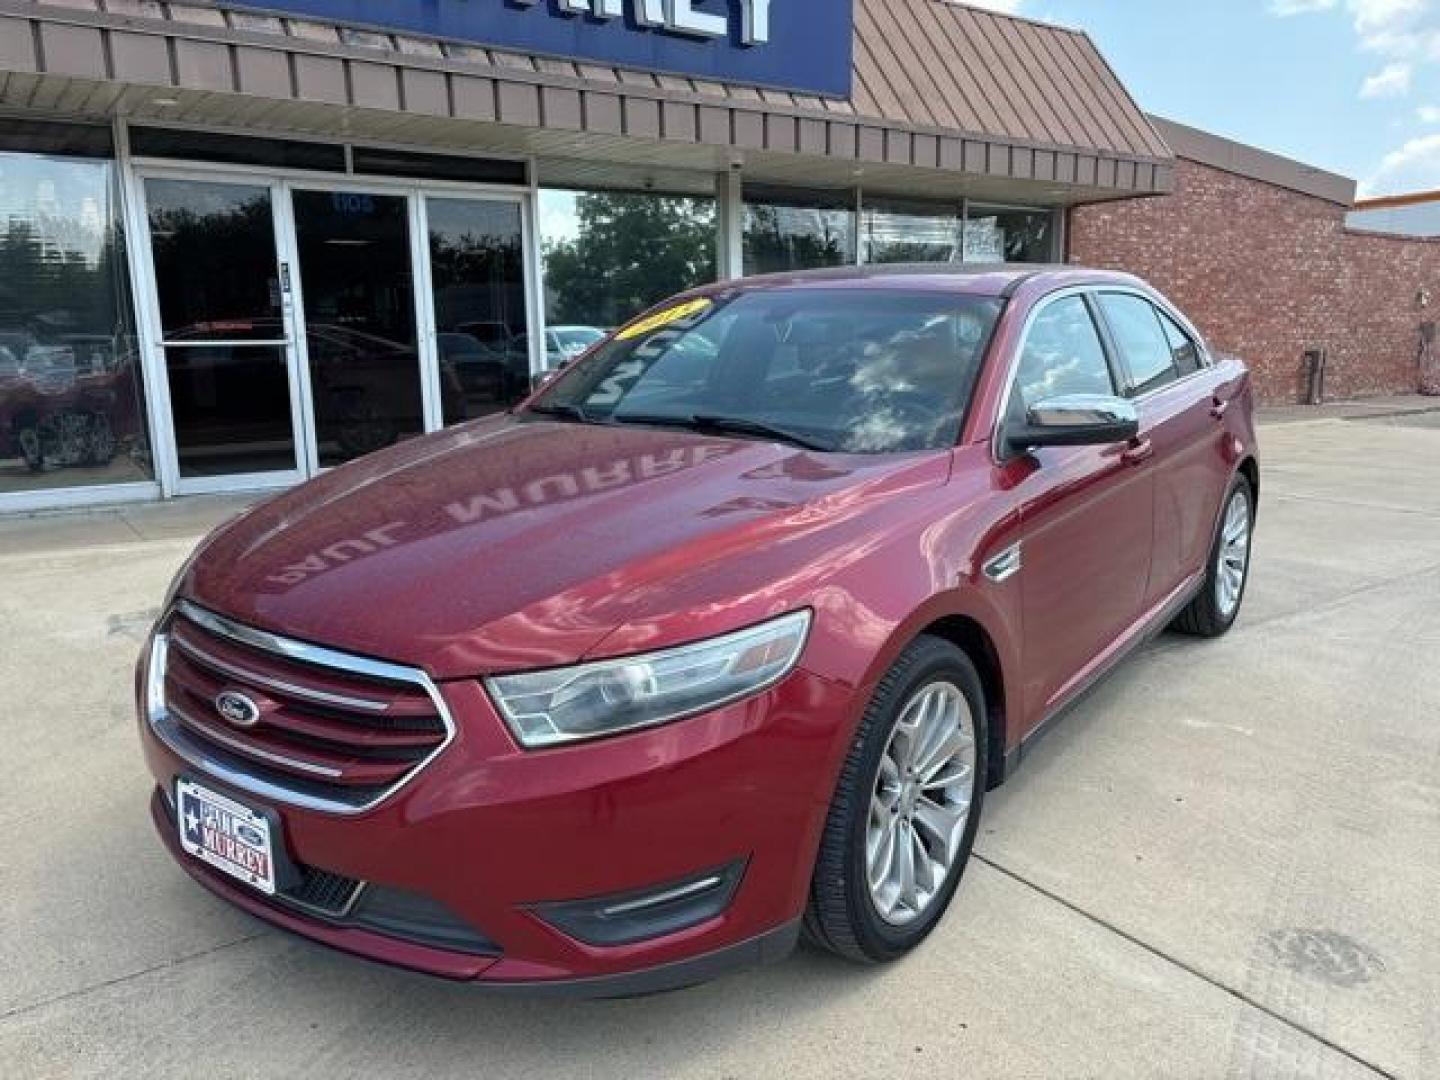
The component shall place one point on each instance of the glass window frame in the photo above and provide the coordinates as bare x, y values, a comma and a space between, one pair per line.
846, 200
1009, 388
1087, 298
1167, 319
972, 206
84, 143
712, 198
914, 208
417, 193
1130, 387
430, 302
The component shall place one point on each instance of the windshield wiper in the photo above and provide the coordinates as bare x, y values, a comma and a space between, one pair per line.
563, 412
730, 425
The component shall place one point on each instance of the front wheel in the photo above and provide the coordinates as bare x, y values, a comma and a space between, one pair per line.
1215, 607
903, 818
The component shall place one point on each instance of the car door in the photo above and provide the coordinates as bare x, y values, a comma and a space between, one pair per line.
1178, 395
1086, 513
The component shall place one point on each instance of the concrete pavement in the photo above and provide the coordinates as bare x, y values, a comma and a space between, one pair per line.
1224, 863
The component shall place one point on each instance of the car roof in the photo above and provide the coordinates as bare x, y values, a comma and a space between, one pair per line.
975, 279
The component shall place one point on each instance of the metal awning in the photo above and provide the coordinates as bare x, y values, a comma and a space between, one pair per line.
946, 99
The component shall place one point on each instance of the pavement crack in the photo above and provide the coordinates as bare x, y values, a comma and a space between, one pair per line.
70, 995
1190, 969
1340, 599
1356, 504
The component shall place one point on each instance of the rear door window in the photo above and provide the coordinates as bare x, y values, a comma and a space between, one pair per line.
1145, 350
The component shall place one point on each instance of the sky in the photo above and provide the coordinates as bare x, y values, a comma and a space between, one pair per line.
1352, 86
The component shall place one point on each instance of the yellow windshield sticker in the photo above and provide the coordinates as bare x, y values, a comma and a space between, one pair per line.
651, 323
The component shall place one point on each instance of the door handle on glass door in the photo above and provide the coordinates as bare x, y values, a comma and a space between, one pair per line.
1140, 450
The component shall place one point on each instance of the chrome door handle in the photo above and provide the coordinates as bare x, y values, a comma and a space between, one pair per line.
1219, 408
1140, 450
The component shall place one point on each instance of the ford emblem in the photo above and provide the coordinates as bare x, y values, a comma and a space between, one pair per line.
235, 708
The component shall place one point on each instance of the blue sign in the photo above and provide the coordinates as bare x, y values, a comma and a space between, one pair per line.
802, 45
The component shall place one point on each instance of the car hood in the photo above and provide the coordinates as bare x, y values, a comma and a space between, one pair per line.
509, 544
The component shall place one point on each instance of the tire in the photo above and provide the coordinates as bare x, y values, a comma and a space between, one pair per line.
1208, 615
843, 914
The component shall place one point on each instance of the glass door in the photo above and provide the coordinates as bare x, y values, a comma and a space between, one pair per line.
303, 326
361, 345
476, 251
221, 306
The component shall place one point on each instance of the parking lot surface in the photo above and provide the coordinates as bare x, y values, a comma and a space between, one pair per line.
1224, 863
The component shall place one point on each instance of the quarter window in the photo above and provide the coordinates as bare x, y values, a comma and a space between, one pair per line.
1182, 348
1063, 355
1143, 344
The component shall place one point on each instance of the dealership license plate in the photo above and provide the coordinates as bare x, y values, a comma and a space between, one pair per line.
227, 835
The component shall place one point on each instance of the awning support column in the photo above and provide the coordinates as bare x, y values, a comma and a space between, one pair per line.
729, 225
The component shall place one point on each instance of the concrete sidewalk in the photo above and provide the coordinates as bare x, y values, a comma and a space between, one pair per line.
1394, 406
1224, 863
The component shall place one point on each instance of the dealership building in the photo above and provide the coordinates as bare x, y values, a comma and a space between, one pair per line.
242, 243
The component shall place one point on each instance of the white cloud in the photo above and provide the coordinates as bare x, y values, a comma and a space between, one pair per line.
1415, 166
1393, 80
1405, 35
1401, 29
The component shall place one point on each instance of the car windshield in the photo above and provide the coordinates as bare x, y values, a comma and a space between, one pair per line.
858, 371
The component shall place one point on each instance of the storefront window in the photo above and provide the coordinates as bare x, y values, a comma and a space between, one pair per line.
904, 231
995, 234
789, 229
477, 269
71, 404
610, 255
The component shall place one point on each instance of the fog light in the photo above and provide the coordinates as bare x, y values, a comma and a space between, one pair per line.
625, 918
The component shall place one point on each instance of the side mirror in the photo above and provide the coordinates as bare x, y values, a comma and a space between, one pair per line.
1074, 420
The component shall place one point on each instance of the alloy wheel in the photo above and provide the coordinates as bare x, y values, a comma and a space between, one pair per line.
1233, 559
921, 803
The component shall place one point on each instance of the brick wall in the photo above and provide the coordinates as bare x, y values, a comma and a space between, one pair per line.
1267, 273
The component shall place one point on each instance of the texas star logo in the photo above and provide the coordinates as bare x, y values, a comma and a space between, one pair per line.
235, 708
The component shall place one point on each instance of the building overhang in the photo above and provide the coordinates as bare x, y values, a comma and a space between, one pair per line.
214, 66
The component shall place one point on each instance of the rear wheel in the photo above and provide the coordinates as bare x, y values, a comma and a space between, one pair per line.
903, 819
1215, 607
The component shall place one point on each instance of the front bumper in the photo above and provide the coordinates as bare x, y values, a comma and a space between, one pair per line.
495, 834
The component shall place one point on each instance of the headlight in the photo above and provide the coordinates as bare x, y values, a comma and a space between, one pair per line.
547, 708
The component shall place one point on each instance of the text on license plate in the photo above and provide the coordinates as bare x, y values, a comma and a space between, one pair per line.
229, 836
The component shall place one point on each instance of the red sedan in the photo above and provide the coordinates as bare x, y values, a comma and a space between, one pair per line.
718, 639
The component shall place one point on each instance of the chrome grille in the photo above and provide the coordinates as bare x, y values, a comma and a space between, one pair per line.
329, 731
